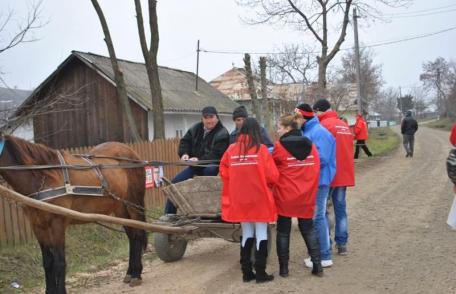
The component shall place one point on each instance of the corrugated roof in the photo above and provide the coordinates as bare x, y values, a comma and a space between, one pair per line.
178, 87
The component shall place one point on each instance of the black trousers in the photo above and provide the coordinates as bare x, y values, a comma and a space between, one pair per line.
363, 145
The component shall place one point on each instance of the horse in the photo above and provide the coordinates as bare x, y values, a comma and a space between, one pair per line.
126, 185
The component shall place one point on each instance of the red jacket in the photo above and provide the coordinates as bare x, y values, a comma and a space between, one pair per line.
360, 128
453, 135
296, 190
345, 167
246, 196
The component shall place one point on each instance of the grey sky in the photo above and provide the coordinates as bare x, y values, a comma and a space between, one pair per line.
73, 25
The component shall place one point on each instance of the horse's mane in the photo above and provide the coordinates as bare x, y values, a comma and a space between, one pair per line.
28, 153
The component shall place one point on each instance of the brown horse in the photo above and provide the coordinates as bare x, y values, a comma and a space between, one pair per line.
49, 229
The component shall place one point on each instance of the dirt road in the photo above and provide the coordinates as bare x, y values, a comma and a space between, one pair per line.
399, 241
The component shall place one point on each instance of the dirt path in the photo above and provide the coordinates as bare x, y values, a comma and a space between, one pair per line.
399, 241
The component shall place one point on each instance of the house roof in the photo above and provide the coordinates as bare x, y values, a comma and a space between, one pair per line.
178, 86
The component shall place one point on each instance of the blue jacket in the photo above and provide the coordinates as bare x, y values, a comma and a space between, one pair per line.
326, 145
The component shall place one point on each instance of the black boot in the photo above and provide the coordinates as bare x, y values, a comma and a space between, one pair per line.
283, 252
313, 247
246, 261
261, 256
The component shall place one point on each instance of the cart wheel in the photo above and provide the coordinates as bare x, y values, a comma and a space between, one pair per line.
169, 248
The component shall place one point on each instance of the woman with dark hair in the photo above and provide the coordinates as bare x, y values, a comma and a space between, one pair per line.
295, 193
247, 171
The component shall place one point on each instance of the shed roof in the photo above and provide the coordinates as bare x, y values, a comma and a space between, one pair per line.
178, 86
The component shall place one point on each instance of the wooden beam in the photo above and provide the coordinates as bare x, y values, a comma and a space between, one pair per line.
92, 217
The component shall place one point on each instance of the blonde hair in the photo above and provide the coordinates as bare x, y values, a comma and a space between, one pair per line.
290, 120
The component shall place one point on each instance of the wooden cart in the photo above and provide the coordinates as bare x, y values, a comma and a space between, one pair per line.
198, 203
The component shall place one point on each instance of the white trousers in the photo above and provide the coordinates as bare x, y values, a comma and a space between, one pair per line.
254, 230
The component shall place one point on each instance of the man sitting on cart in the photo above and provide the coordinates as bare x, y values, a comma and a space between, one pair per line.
206, 140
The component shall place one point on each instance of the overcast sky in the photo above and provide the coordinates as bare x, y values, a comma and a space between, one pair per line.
73, 25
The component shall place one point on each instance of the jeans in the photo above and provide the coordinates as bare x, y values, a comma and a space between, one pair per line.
340, 212
408, 142
186, 174
321, 222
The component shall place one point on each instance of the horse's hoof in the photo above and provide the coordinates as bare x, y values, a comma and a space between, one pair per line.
135, 282
127, 279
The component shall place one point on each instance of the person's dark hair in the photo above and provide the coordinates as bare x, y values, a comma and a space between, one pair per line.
322, 105
251, 128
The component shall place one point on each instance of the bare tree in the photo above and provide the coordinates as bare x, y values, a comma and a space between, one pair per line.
292, 63
267, 109
118, 74
252, 89
315, 17
371, 74
440, 76
26, 28
385, 103
150, 58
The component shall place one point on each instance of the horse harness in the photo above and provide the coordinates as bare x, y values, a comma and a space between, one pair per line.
69, 189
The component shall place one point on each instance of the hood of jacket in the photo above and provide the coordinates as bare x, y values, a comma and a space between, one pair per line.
298, 145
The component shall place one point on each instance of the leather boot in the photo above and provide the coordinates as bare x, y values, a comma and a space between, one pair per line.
261, 256
283, 252
246, 261
313, 247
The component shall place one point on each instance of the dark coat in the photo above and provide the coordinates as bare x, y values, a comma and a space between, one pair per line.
409, 126
211, 146
264, 137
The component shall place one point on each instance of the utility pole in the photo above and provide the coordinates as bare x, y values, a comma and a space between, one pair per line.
358, 66
439, 99
401, 104
197, 63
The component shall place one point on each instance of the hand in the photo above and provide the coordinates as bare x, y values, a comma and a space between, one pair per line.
193, 159
185, 157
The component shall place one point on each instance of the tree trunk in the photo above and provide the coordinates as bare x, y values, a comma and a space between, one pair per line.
118, 76
264, 96
252, 89
150, 59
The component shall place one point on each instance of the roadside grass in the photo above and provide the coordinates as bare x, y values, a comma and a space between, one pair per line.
382, 141
88, 249
441, 124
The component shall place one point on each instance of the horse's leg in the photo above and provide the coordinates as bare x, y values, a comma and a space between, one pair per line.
57, 233
48, 262
138, 241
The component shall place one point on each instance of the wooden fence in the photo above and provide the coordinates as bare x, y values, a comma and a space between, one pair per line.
15, 228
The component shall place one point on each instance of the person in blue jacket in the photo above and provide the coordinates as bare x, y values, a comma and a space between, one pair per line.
326, 145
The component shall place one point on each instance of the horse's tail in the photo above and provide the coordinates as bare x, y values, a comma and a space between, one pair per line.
136, 194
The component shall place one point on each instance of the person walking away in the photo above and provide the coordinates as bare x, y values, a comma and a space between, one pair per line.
206, 140
345, 169
295, 193
247, 171
409, 126
239, 115
361, 135
451, 160
326, 146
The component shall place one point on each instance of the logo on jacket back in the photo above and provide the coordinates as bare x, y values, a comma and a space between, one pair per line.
237, 160
343, 130
293, 162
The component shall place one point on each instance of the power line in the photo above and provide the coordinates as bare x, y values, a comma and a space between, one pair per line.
423, 14
420, 11
384, 43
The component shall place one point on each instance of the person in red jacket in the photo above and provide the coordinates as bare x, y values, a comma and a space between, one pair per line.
248, 171
361, 135
295, 193
453, 135
345, 169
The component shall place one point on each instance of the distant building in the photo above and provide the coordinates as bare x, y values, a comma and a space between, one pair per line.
82, 107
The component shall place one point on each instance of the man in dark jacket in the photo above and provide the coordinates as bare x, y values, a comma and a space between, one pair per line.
409, 127
206, 140
239, 115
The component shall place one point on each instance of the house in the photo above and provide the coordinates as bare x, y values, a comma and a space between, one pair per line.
10, 99
233, 83
77, 104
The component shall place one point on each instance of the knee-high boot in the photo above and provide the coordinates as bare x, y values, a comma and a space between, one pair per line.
246, 260
313, 247
283, 252
261, 256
